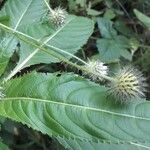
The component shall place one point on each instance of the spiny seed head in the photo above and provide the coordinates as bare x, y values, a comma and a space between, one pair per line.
96, 69
58, 16
129, 83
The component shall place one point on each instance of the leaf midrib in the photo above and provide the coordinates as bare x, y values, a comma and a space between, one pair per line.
75, 106
22, 15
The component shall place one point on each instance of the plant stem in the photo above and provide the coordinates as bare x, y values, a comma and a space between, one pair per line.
69, 54
50, 9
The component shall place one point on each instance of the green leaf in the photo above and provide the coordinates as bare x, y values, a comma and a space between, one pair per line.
93, 12
144, 61
7, 47
3, 63
106, 28
4, 20
74, 33
40, 57
143, 18
121, 27
3, 146
83, 145
55, 43
109, 14
71, 37
20, 13
23, 12
112, 46
82, 3
73, 107
112, 49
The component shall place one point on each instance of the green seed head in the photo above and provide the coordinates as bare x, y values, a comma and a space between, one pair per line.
96, 69
129, 83
58, 16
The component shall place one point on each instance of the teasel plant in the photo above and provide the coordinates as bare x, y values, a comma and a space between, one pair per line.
47, 99
127, 84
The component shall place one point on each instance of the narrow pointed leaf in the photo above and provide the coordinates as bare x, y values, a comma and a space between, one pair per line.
143, 18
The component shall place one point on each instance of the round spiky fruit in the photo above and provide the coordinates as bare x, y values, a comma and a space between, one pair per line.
58, 16
96, 69
129, 83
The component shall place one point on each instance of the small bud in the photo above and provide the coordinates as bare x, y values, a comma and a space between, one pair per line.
129, 83
96, 69
58, 16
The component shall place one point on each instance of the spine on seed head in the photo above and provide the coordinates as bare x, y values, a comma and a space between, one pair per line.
1, 93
